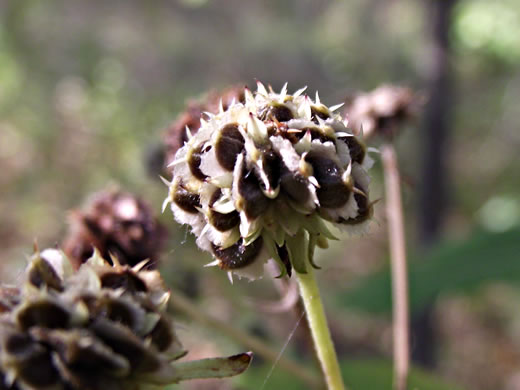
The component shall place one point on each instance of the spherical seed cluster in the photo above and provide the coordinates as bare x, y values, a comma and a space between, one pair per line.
115, 223
100, 328
260, 179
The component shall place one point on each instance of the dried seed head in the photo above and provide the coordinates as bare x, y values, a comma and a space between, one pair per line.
266, 171
381, 111
102, 327
116, 223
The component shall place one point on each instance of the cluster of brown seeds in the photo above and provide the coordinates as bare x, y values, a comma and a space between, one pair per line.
115, 223
101, 327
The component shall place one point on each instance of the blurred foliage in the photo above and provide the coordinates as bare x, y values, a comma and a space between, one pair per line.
491, 28
452, 268
362, 374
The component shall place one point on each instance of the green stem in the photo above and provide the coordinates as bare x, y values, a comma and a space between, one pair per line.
319, 329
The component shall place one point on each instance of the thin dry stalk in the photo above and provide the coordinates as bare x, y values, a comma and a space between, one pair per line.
258, 346
394, 213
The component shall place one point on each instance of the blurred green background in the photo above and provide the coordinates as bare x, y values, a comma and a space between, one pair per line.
87, 89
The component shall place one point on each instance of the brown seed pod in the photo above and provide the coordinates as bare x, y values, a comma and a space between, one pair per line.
381, 111
117, 223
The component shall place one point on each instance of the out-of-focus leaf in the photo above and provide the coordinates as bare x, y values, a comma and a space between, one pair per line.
458, 267
377, 375
359, 374
261, 377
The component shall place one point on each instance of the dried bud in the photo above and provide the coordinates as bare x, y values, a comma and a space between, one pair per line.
381, 111
116, 223
102, 327
260, 178
176, 134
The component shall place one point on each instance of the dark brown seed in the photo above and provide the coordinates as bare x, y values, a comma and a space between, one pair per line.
87, 358
124, 342
238, 255
272, 167
229, 146
186, 200
222, 222
362, 203
317, 134
364, 210
162, 335
279, 112
126, 280
82, 378
42, 273
318, 112
332, 193
356, 149
33, 362
19, 344
255, 202
194, 163
119, 311
38, 371
43, 313
294, 185
77, 354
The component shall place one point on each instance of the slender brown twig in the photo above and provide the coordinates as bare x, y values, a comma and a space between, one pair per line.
258, 346
394, 213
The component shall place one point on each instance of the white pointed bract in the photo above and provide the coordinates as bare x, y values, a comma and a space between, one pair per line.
262, 179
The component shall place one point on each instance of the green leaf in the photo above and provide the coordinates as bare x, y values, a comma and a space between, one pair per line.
457, 267
375, 374
262, 376
358, 374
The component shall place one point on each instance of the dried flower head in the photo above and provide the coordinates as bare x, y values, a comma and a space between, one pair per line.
102, 327
381, 111
176, 134
117, 223
260, 179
